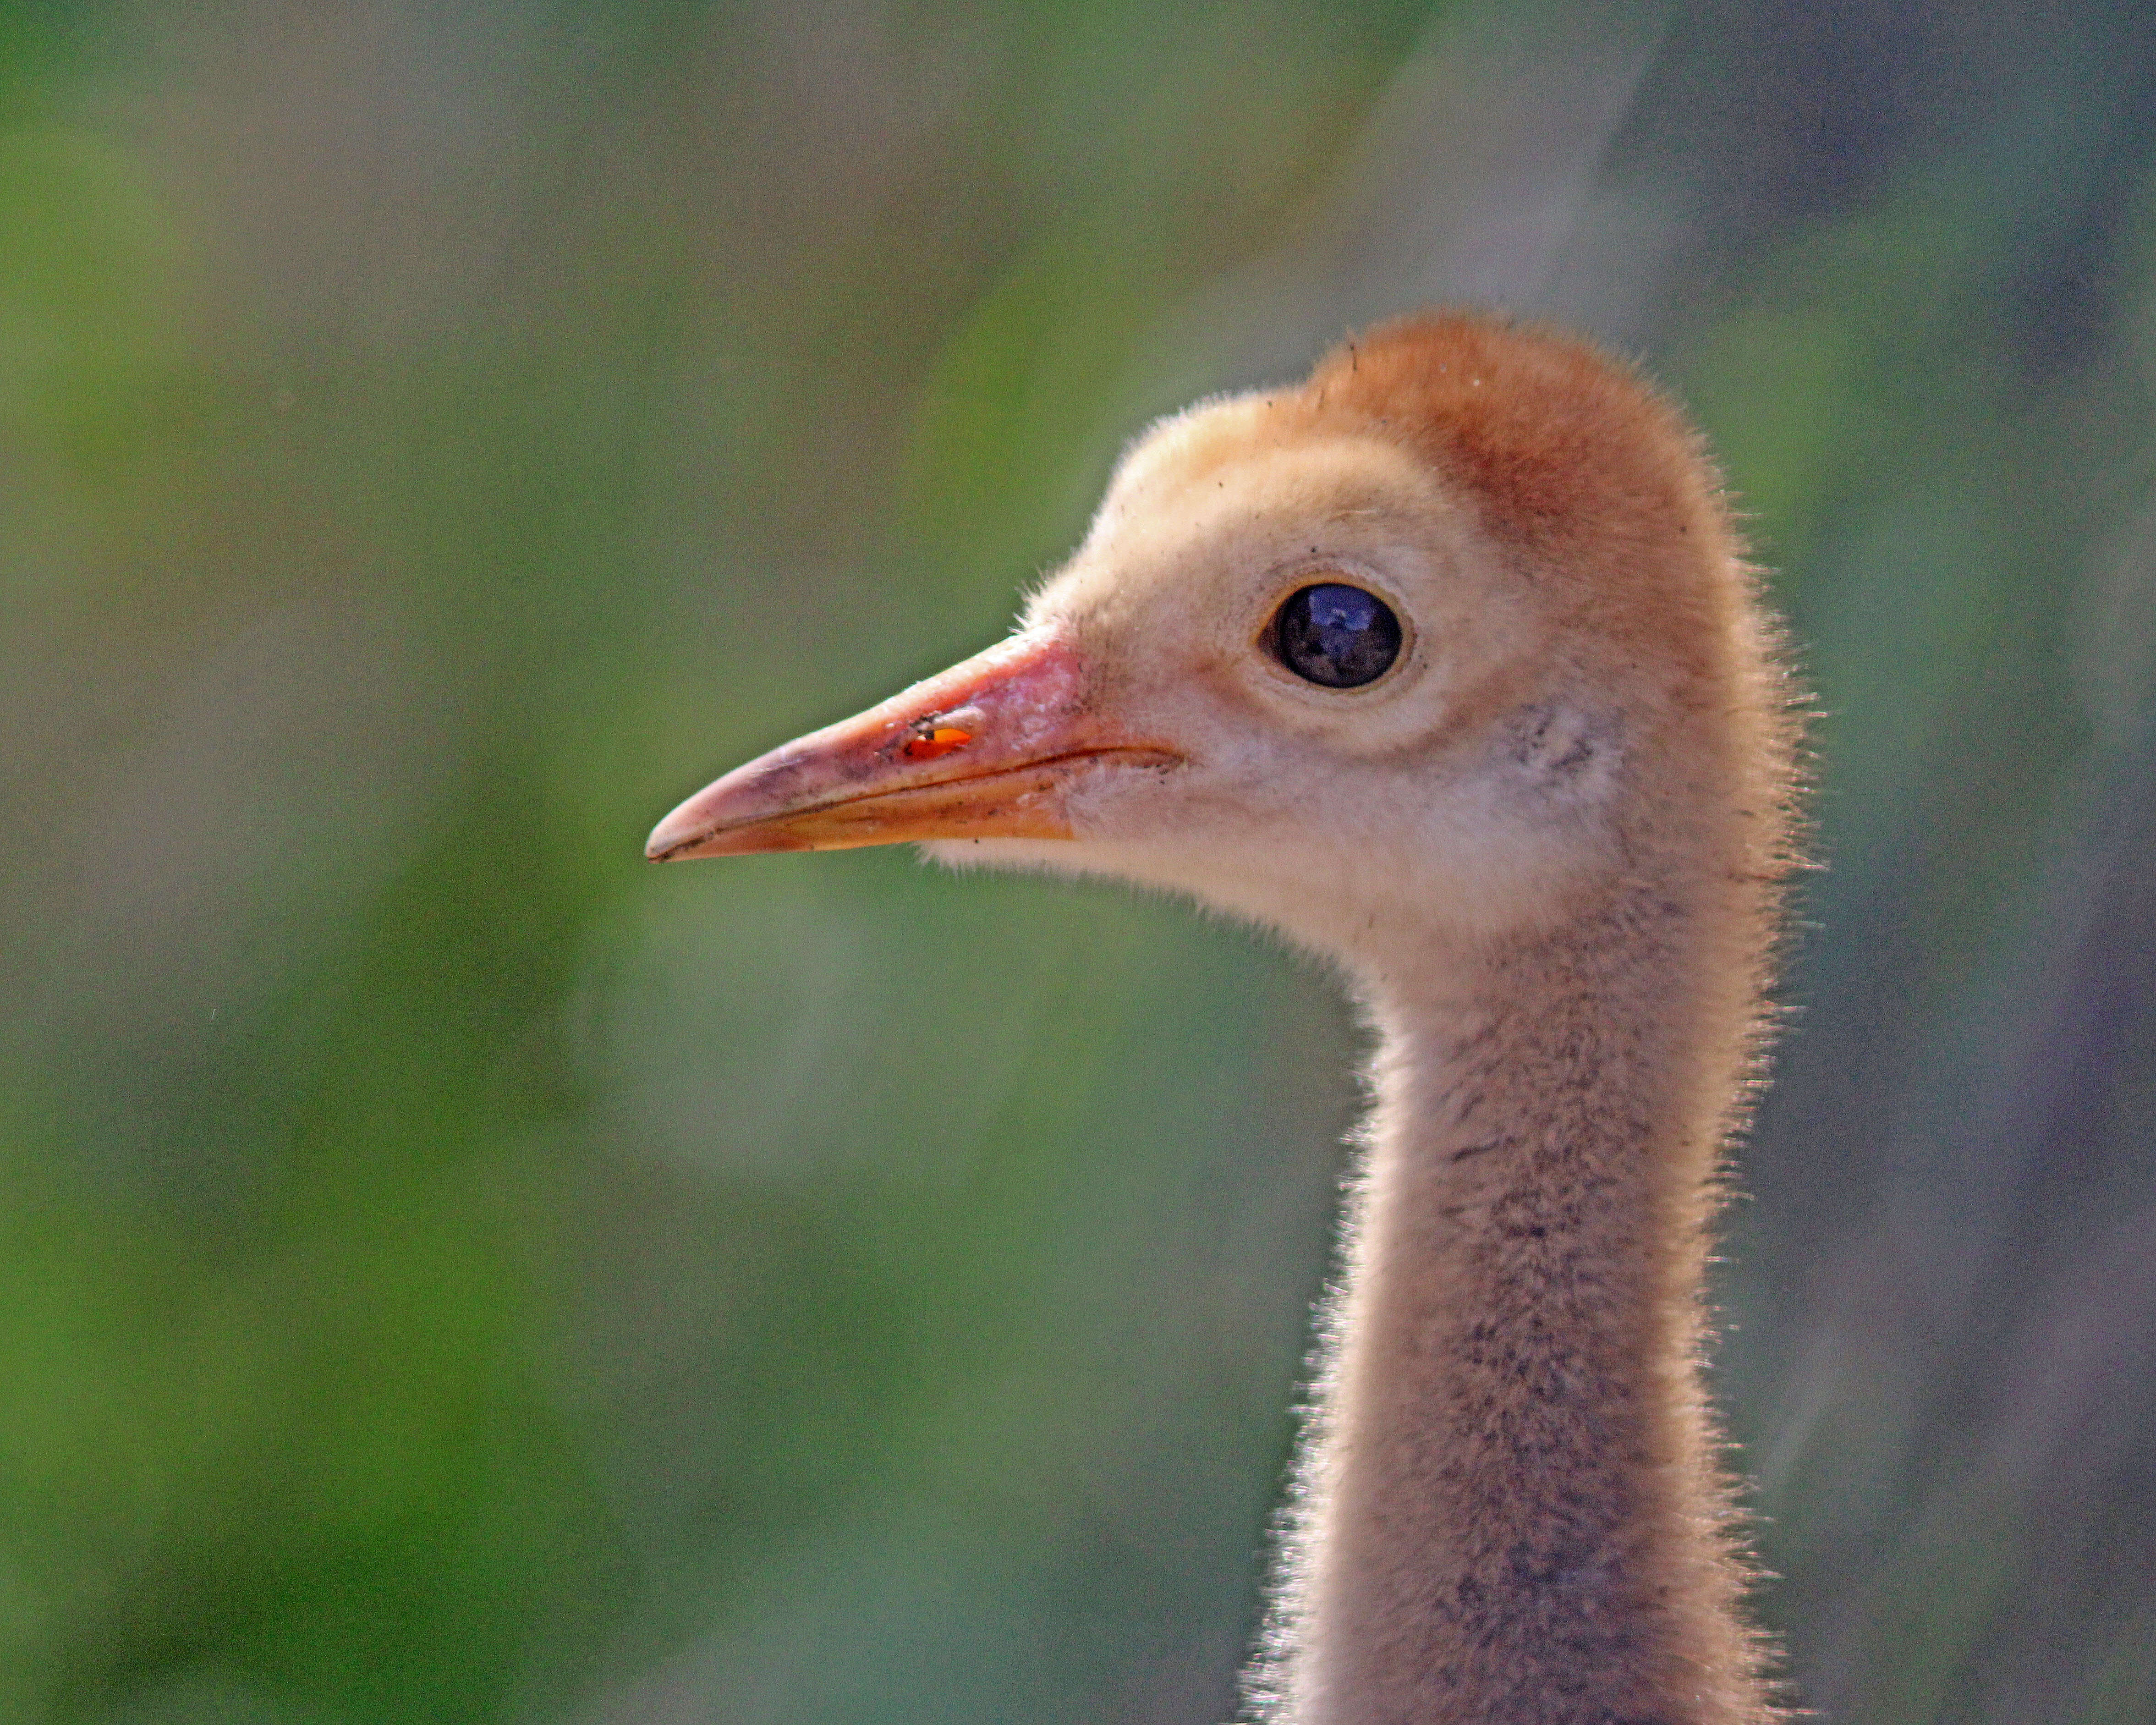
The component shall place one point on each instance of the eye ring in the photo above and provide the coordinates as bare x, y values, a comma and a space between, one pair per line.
1335, 634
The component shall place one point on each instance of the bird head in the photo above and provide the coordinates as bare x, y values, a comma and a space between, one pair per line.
1385, 649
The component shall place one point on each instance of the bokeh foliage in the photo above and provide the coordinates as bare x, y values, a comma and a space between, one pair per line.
455, 1273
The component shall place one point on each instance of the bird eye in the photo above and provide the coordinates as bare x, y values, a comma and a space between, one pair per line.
1335, 635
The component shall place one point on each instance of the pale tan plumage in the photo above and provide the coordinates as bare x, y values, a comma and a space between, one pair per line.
1544, 847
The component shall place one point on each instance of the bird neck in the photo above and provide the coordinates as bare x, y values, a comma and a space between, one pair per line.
1512, 1508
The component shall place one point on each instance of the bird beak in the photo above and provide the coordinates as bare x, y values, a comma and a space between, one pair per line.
990, 749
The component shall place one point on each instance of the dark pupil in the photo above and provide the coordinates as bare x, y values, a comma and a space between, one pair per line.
1339, 636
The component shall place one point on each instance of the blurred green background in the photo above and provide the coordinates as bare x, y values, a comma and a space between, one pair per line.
453, 1272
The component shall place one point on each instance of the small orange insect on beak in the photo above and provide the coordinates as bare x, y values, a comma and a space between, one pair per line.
933, 745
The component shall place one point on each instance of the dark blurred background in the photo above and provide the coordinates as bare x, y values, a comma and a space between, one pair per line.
453, 1272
